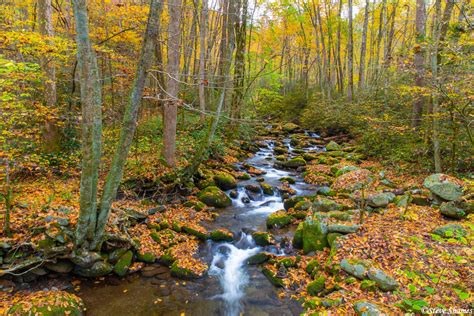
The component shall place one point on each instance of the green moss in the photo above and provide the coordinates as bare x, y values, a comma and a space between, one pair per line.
222, 234
225, 181
258, 258
313, 265
182, 273
298, 237
267, 189
263, 239
122, 265
295, 162
289, 180
278, 219
54, 303
368, 285
276, 281
195, 232
147, 257
213, 196
287, 262
317, 286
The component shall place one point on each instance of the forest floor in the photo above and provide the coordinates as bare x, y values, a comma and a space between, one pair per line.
394, 241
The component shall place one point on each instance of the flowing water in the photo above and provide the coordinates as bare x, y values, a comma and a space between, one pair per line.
230, 286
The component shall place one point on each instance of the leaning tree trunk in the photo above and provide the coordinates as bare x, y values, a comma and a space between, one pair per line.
172, 87
91, 102
129, 120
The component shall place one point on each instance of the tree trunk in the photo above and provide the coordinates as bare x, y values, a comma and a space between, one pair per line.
363, 46
45, 26
350, 56
419, 59
172, 87
202, 59
129, 123
91, 102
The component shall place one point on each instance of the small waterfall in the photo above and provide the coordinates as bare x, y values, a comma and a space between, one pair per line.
228, 264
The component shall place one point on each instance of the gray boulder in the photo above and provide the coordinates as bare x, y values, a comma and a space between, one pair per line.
364, 308
443, 186
451, 210
385, 282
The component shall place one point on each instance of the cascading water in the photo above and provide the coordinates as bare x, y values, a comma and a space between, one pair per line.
228, 265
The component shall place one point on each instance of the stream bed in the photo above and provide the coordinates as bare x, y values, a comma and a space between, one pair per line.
230, 287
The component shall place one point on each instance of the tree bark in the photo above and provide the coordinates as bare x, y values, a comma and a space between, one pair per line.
363, 46
172, 87
91, 103
202, 59
45, 27
419, 59
350, 56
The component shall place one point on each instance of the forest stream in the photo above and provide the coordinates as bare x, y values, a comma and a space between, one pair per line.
231, 287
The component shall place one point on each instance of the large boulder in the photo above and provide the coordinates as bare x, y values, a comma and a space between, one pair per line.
314, 235
444, 186
450, 230
124, 262
225, 181
48, 303
298, 237
385, 282
295, 162
290, 127
263, 239
452, 210
326, 205
213, 196
291, 202
380, 199
317, 286
279, 219
357, 268
222, 234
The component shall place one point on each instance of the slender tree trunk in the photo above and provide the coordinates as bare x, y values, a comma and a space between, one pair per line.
338, 51
350, 56
172, 87
129, 123
363, 46
419, 60
202, 59
45, 27
91, 102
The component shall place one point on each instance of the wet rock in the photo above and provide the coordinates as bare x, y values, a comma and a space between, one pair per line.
357, 268
443, 186
115, 255
151, 271
60, 266
280, 151
99, 268
124, 262
385, 282
234, 194
333, 146
199, 232
245, 200
298, 237
450, 230
452, 210
295, 162
290, 127
291, 202
267, 189
288, 180
278, 219
206, 183
263, 239
272, 277
222, 234
317, 286
258, 258
287, 262
213, 196
253, 188
326, 191
364, 308
225, 181
179, 271
244, 176
380, 199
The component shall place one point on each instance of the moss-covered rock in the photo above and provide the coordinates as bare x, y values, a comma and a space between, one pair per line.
122, 265
179, 271
258, 258
197, 205
444, 186
98, 269
225, 181
272, 277
333, 146
331, 237
298, 237
267, 189
204, 183
115, 255
326, 191
278, 219
288, 180
368, 285
312, 266
280, 150
317, 286
213, 196
244, 176
147, 257
318, 302
314, 235
50, 303
357, 268
364, 308
290, 127
384, 282
325, 205
222, 234
450, 230
295, 162
452, 210
287, 262
263, 239
291, 202
381, 199
199, 232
